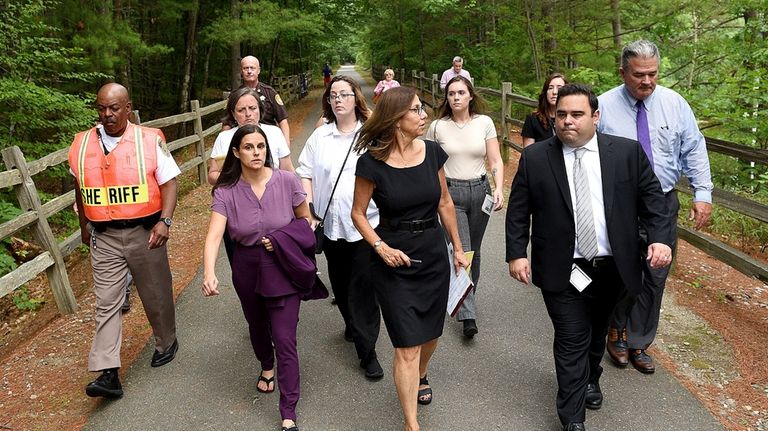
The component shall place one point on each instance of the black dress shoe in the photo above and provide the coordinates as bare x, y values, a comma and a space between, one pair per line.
372, 367
160, 359
470, 328
348, 335
107, 385
642, 361
594, 398
574, 426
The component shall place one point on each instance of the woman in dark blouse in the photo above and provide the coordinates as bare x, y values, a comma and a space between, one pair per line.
540, 124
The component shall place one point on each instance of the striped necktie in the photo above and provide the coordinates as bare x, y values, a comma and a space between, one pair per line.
586, 238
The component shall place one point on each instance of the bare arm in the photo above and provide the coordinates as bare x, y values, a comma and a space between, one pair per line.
211, 252
214, 170
161, 231
285, 164
448, 218
527, 141
85, 235
493, 154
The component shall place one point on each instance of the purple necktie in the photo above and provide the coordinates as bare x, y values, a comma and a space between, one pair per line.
643, 134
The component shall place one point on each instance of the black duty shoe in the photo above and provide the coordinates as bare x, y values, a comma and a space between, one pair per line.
160, 359
574, 426
107, 385
372, 367
594, 398
348, 335
470, 328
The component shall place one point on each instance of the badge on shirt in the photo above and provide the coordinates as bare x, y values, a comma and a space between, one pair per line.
579, 279
278, 100
263, 98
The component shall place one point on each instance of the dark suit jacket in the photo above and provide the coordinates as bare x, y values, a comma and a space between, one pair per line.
540, 194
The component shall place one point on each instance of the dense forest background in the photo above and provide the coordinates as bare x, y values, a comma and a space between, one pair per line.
54, 55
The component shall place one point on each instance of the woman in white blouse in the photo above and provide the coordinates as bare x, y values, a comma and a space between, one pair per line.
470, 140
348, 255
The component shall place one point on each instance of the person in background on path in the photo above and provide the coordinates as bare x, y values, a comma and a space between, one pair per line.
540, 124
664, 124
579, 197
327, 72
385, 84
266, 213
404, 176
349, 256
456, 70
126, 229
469, 139
274, 112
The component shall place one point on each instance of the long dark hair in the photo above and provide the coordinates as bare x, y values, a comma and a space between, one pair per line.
378, 133
543, 107
234, 97
476, 105
232, 169
361, 107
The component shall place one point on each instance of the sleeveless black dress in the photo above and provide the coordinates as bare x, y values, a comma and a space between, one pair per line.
412, 299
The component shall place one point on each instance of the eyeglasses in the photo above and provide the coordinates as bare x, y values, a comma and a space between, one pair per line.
341, 96
418, 110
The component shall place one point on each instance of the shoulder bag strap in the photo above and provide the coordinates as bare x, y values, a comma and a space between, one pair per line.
341, 171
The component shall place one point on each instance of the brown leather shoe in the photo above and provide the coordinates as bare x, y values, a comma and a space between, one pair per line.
617, 347
642, 361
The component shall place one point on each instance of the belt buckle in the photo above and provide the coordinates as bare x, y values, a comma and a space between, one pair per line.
417, 226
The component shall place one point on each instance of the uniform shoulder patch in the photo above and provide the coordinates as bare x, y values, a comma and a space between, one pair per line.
163, 147
278, 99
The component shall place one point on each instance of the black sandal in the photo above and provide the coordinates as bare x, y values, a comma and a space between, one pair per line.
426, 392
268, 381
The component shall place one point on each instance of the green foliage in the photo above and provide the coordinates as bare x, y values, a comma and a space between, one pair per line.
23, 302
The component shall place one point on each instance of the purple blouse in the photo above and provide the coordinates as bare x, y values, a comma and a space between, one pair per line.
250, 218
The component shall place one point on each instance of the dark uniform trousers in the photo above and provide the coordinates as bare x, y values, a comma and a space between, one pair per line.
113, 253
580, 320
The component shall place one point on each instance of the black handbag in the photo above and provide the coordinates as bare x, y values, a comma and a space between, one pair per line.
320, 229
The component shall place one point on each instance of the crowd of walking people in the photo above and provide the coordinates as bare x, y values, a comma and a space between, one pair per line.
397, 203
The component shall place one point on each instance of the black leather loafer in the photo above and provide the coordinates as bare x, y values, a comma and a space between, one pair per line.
372, 368
574, 426
594, 398
470, 328
160, 359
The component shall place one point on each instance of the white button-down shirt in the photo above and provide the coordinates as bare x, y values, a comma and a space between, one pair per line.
321, 161
590, 162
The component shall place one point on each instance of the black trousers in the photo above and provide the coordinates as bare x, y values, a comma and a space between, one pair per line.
580, 320
349, 269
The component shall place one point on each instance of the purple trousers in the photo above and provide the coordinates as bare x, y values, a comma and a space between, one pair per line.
272, 323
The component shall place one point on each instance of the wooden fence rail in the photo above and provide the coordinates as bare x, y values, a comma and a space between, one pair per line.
19, 175
511, 103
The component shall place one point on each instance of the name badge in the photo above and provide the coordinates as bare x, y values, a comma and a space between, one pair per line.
487, 204
579, 279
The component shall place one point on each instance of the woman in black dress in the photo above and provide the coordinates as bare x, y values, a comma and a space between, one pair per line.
404, 176
540, 124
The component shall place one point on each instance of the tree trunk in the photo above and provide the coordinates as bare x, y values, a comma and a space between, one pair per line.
189, 56
273, 59
532, 39
206, 67
616, 26
235, 51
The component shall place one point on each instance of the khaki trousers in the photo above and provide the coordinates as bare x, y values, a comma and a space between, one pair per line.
113, 253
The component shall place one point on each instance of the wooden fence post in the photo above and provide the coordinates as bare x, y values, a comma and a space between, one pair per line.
421, 84
29, 200
202, 168
506, 88
414, 78
435, 88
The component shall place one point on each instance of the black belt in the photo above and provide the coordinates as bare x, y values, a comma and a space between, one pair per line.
597, 262
147, 222
466, 183
413, 226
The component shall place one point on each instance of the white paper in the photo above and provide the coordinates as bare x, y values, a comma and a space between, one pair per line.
579, 279
487, 204
460, 284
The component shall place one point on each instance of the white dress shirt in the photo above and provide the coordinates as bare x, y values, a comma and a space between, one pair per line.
590, 163
320, 161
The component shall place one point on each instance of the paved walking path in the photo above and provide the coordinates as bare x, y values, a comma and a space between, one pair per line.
503, 379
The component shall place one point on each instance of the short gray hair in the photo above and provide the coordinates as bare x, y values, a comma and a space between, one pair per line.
458, 59
640, 48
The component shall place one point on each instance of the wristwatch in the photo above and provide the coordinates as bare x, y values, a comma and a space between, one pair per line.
377, 243
167, 221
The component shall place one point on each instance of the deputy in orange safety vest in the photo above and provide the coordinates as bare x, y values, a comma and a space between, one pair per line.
126, 195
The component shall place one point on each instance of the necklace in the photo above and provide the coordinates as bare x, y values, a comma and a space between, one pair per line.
461, 126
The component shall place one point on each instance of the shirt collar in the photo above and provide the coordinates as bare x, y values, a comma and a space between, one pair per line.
632, 101
333, 130
590, 146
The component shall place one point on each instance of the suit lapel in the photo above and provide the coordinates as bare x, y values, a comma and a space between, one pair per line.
557, 164
608, 172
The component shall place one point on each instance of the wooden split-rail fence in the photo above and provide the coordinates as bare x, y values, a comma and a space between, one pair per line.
515, 107
19, 174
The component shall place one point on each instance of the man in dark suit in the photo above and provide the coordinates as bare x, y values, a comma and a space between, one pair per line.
584, 192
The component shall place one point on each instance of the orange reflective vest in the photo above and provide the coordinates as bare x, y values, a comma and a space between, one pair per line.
122, 184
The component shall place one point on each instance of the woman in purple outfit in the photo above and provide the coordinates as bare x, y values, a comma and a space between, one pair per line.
260, 207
